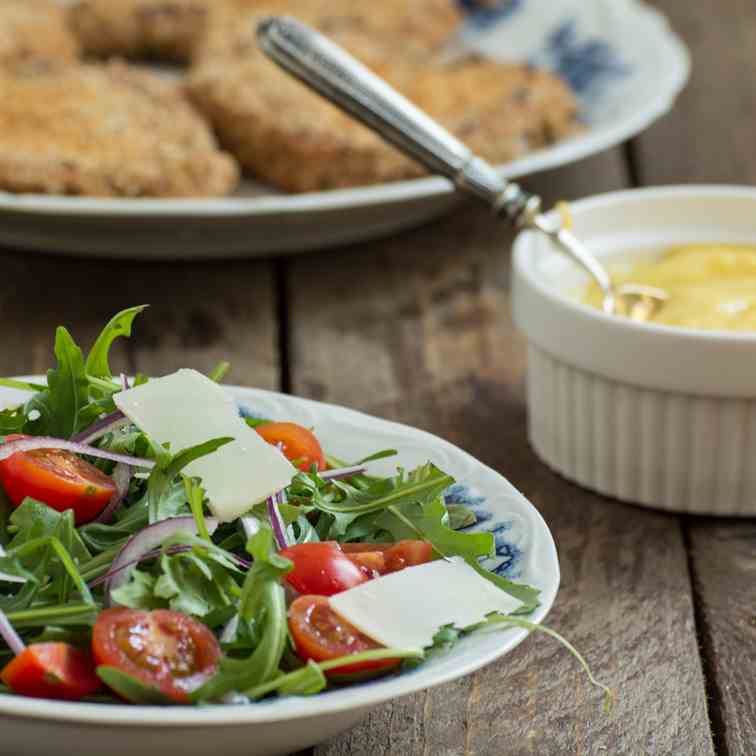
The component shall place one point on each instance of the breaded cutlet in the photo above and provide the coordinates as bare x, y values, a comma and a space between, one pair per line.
177, 30
35, 31
291, 138
395, 27
160, 29
105, 130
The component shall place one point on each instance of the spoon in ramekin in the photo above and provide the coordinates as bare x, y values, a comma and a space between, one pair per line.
337, 76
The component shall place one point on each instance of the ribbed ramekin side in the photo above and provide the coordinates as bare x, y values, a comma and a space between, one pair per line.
660, 449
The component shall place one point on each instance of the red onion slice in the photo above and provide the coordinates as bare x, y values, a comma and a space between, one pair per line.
145, 541
9, 448
10, 636
342, 472
98, 429
276, 522
121, 477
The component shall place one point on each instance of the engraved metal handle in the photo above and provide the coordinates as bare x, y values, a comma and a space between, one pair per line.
337, 76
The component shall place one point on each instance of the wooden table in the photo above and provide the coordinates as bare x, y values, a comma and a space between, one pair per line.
418, 328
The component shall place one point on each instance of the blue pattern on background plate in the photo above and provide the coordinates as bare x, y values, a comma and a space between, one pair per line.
587, 62
481, 14
587, 65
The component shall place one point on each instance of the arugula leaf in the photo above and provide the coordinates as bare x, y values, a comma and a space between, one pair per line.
68, 389
12, 420
33, 519
6, 510
429, 520
120, 324
262, 603
167, 467
306, 681
12, 565
195, 495
51, 547
138, 592
194, 586
130, 519
425, 483
22, 385
383, 454
444, 640
255, 422
101, 537
460, 516
199, 581
57, 614
133, 690
219, 372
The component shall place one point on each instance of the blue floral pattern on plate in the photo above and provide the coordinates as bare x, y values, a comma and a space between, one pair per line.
560, 36
481, 14
508, 558
588, 65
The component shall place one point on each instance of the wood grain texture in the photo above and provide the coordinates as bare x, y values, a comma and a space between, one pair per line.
200, 314
709, 138
723, 557
39, 293
418, 329
203, 313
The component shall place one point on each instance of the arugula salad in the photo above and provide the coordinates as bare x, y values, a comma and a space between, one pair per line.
156, 547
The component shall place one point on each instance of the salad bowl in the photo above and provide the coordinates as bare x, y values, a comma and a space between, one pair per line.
525, 551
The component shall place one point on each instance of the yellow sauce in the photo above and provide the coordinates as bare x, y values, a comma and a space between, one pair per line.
709, 286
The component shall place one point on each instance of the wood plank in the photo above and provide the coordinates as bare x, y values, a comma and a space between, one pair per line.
202, 313
709, 138
722, 555
39, 293
418, 329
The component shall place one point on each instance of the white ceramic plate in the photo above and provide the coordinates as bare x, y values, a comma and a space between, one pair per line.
525, 551
619, 55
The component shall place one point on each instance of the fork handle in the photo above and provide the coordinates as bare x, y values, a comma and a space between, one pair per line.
337, 76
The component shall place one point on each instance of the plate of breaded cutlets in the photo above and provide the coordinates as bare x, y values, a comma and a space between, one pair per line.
159, 129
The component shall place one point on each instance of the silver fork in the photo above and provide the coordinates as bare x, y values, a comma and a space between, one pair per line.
337, 76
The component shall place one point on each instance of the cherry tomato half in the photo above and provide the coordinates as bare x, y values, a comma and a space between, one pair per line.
372, 564
388, 557
59, 478
52, 670
166, 650
320, 634
297, 443
407, 554
321, 569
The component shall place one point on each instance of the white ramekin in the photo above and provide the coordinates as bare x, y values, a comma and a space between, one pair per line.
659, 416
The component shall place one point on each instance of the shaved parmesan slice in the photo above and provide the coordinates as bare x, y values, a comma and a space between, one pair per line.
187, 408
406, 609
